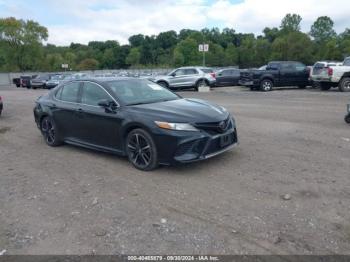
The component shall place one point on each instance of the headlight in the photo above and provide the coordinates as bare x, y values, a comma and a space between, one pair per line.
223, 109
176, 126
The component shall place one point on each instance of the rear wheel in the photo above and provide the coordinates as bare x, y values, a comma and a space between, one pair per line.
344, 85
201, 83
49, 131
266, 85
141, 150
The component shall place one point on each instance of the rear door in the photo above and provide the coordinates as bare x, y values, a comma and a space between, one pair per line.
301, 74
64, 110
224, 77
288, 75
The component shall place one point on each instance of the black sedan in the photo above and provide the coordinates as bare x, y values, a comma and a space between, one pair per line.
227, 77
135, 118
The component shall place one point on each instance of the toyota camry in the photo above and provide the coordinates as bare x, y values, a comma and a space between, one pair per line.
135, 118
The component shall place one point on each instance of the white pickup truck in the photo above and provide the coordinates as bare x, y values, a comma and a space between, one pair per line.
332, 76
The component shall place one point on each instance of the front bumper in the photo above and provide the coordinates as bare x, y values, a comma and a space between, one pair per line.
175, 147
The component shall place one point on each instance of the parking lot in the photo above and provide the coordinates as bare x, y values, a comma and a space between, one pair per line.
283, 190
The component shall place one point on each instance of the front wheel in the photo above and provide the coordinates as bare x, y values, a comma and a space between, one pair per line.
163, 84
49, 131
344, 85
266, 85
347, 118
141, 150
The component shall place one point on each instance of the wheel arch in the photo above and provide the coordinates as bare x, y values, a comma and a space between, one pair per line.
201, 79
132, 126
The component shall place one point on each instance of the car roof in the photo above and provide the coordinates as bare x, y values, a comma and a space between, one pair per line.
199, 67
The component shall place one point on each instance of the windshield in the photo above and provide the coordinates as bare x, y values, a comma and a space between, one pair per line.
135, 91
57, 77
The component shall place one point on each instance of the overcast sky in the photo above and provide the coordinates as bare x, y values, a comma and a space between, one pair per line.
86, 20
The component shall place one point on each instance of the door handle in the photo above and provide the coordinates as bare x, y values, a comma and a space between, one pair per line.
80, 112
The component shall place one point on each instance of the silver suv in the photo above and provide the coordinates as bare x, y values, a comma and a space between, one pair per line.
187, 77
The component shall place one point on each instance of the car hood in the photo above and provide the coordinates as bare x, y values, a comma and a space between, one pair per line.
182, 110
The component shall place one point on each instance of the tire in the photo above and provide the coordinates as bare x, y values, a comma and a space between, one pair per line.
199, 83
344, 85
141, 150
266, 85
49, 131
163, 84
347, 118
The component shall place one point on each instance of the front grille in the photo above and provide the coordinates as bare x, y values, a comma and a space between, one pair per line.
215, 127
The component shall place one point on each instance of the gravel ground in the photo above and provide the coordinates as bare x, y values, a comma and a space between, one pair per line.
284, 190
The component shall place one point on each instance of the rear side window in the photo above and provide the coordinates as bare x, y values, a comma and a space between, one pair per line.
226, 73
69, 92
299, 66
191, 71
92, 94
207, 70
287, 66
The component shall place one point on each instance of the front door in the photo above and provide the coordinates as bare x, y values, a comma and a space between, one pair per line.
101, 128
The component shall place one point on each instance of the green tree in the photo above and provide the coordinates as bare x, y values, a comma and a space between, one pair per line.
133, 57
188, 48
88, 64
22, 41
322, 29
291, 23
293, 46
231, 55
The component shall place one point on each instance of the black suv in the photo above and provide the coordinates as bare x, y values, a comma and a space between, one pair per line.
277, 73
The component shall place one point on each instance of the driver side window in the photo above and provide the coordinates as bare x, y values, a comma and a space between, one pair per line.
92, 94
179, 72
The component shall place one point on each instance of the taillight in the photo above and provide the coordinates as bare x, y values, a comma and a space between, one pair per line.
213, 75
330, 71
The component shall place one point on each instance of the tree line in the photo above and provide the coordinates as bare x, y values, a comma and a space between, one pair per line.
22, 47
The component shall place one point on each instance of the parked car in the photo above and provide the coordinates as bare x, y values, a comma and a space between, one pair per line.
54, 81
187, 77
16, 81
1, 105
40, 81
347, 117
337, 75
320, 70
227, 77
25, 80
277, 73
136, 118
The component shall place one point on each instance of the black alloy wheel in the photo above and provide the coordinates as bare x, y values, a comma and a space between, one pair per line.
141, 150
49, 131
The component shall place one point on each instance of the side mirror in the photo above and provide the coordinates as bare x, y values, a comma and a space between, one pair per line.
173, 74
109, 105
